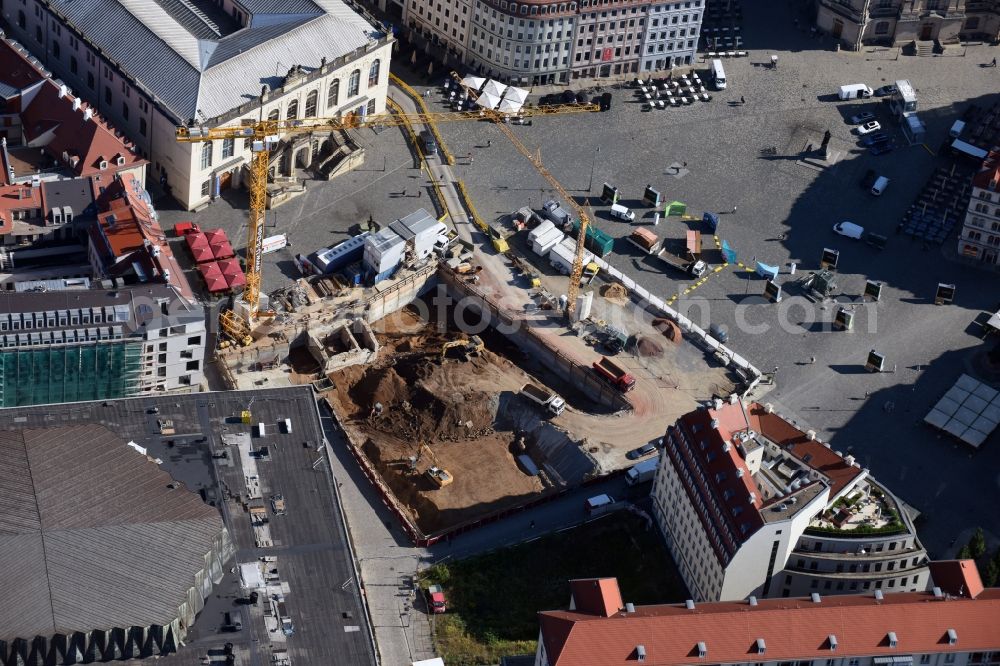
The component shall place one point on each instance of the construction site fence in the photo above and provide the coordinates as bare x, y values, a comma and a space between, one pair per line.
699, 336
470, 208
579, 376
418, 99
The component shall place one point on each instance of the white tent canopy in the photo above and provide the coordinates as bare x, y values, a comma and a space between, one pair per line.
474, 82
494, 88
489, 101
509, 106
518, 95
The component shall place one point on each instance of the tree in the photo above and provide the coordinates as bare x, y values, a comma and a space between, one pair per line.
964, 553
991, 572
977, 544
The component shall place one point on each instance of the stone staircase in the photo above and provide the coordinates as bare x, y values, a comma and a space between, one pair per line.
923, 48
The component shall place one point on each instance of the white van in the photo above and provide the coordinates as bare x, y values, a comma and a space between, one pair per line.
880, 184
598, 503
718, 75
855, 91
622, 213
956, 129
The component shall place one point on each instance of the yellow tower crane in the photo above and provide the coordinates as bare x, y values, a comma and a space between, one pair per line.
264, 134
576, 274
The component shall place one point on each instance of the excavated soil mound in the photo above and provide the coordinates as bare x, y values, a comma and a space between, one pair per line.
649, 348
409, 409
670, 330
614, 292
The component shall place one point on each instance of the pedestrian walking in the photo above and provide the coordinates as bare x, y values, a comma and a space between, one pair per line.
994, 63
420, 194
734, 210
743, 99
489, 143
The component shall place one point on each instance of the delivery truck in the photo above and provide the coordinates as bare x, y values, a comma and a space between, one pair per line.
615, 374
646, 240
550, 401
695, 268
643, 471
598, 504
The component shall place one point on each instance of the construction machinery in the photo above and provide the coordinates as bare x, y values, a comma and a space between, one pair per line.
500, 119
263, 134
436, 474
471, 347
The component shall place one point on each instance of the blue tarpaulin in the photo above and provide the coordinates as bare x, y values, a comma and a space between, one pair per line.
728, 253
767, 271
712, 220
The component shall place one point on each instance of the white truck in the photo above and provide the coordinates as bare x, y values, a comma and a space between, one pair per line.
551, 401
643, 471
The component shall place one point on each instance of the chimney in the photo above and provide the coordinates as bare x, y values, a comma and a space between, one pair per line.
76, 104
811, 435
88, 114
63, 90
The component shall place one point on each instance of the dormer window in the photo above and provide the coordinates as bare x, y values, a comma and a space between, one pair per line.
103, 164
761, 646
892, 639
702, 650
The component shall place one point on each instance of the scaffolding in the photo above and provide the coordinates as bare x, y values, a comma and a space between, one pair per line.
71, 373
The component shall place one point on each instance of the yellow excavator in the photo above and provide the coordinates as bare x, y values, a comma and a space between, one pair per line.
471, 347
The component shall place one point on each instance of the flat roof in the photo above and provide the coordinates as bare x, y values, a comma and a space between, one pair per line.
310, 541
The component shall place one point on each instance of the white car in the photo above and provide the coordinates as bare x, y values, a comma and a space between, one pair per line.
862, 118
869, 127
849, 229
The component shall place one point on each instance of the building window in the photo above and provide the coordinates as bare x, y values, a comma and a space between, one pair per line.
972, 23
90, 80
293, 110
311, 104
55, 50
354, 84
20, 19
274, 115
882, 28
228, 148
124, 110
206, 156
142, 126
38, 34
107, 96
206, 187
370, 109
373, 73
72, 65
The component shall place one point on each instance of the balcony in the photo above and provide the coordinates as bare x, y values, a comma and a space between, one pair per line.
884, 12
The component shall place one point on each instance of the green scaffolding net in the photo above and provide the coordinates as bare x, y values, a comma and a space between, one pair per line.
69, 374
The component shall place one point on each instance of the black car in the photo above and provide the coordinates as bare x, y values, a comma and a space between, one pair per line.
882, 148
643, 450
868, 180
877, 137
885, 91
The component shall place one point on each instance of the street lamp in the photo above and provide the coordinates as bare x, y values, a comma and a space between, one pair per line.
593, 165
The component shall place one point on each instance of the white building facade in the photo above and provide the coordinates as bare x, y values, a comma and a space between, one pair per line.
149, 67
980, 237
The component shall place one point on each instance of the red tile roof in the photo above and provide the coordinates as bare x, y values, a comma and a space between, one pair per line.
957, 577
988, 177
792, 629
706, 435
810, 452
86, 141
596, 596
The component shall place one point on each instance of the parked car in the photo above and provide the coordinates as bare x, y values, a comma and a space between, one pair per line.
875, 138
869, 127
882, 148
849, 229
885, 91
643, 450
868, 180
719, 332
862, 118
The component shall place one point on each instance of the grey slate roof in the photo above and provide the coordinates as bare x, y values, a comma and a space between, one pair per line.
91, 536
176, 55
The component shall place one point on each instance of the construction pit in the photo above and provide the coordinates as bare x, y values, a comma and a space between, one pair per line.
419, 406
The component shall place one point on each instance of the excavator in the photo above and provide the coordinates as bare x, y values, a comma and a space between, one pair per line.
469, 348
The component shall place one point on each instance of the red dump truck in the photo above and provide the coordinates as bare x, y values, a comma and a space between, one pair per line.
615, 374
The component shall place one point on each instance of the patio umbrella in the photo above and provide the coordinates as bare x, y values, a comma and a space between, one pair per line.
509, 106
518, 95
494, 88
233, 273
219, 242
198, 245
488, 101
474, 82
214, 280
